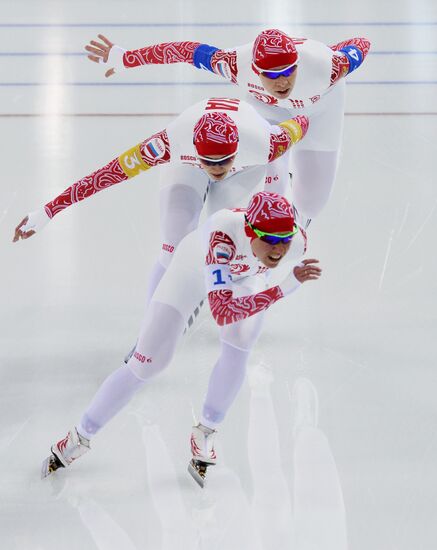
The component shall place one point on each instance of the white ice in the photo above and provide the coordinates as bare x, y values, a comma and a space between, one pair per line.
332, 442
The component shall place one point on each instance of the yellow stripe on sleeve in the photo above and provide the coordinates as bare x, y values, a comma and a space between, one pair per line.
132, 163
293, 128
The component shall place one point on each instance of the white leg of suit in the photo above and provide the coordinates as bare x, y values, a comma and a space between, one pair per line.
314, 160
182, 196
180, 290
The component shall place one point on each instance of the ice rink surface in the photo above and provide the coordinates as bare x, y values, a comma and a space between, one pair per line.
332, 442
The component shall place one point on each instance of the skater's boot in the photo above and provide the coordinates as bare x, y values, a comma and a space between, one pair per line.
64, 452
202, 444
202, 449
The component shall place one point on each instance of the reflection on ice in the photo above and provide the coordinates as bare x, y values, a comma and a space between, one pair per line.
318, 518
218, 517
271, 500
106, 533
223, 514
319, 514
177, 529
104, 530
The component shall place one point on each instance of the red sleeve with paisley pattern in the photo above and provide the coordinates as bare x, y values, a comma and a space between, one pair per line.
151, 152
222, 63
224, 307
340, 64
279, 143
161, 54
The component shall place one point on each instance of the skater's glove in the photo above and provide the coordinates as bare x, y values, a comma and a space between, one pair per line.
115, 59
32, 223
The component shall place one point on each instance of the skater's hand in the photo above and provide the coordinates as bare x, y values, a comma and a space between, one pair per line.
307, 271
32, 223
105, 52
20, 233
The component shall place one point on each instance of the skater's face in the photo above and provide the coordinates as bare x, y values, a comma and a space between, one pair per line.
216, 168
269, 254
279, 86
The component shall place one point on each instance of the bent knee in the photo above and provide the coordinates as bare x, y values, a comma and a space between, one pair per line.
144, 365
157, 342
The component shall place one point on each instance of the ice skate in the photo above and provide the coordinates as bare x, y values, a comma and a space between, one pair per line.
64, 452
202, 449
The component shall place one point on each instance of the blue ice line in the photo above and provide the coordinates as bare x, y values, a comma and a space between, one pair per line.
83, 54
84, 84
390, 82
102, 24
219, 83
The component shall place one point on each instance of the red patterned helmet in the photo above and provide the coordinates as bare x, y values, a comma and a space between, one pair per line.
269, 212
273, 48
215, 133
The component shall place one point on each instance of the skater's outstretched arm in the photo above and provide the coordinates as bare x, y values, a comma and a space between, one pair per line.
349, 55
201, 56
151, 152
227, 309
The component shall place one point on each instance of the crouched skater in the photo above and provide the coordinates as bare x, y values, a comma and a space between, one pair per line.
226, 260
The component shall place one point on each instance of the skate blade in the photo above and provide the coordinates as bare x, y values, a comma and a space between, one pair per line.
49, 466
197, 470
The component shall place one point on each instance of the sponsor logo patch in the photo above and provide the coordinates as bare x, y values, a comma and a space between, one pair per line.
255, 87
271, 179
168, 248
222, 253
154, 149
142, 358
